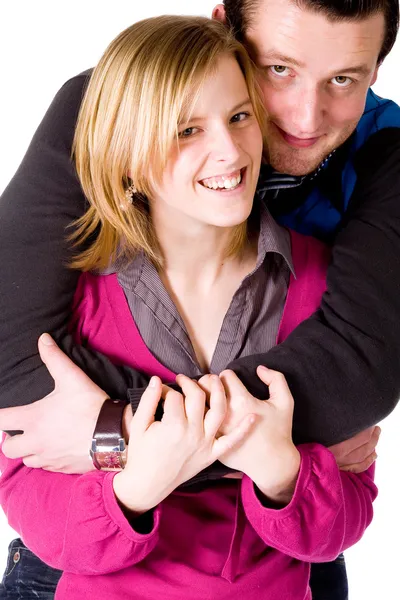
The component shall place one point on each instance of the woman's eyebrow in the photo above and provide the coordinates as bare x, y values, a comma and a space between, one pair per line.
199, 119
241, 105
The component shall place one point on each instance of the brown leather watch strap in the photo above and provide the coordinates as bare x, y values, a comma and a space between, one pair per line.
108, 449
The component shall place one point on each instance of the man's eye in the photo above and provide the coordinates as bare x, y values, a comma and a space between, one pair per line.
280, 70
188, 132
341, 81
242, 116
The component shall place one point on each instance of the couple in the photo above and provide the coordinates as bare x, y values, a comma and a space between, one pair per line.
165, 304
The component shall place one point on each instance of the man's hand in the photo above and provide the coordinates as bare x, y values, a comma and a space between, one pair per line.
58, 428
357, 454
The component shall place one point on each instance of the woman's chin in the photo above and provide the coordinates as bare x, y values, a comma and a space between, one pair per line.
232, 216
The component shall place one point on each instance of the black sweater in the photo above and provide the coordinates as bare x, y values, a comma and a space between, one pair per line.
342, 364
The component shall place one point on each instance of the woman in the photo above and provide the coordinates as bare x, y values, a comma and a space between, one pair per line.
168, 148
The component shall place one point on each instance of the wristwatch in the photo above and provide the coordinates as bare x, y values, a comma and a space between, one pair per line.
108, 449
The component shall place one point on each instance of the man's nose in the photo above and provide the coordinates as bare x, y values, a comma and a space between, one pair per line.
307, 113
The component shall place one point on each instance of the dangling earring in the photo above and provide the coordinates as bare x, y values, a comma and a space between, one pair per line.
130, 192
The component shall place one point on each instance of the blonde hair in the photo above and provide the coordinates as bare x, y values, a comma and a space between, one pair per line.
146, 81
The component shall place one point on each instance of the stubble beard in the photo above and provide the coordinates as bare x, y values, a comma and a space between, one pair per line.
302, 161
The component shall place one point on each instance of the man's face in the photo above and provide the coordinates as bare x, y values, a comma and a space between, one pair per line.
314, 75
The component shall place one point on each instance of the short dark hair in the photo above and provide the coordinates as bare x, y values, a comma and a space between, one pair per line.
239, 14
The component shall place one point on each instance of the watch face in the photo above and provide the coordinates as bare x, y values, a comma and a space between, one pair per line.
109, 461
112, 461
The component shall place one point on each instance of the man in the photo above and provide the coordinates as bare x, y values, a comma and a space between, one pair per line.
316, 62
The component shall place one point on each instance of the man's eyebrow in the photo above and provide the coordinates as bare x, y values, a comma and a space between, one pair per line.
357, 69
231, 110
277, 56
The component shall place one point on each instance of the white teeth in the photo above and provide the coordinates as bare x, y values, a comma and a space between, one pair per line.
227, 184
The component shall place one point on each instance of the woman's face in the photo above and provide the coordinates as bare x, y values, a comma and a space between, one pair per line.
212, 172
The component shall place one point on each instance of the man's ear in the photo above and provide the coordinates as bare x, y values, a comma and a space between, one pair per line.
219, 13
375, 75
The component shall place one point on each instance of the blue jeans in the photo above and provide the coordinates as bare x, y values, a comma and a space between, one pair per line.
27, 577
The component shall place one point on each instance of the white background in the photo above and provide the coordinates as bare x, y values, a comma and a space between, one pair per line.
43, 43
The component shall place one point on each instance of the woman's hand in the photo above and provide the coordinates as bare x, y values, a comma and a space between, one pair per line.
164, 454
268, 455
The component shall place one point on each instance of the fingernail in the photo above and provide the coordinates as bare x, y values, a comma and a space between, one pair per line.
46, 339
153, 382
262, 368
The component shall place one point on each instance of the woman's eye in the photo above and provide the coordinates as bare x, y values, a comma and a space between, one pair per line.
341, 81
280, 70
188, 132
242, 116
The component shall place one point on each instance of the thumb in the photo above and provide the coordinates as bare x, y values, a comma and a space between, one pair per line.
279, 392
145, 412
229, 441
57, 363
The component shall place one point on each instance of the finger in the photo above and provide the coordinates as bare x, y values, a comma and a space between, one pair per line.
165, 389
232, 384
17, 446
205, 384
13, 418
359, 455
195, 400
144, 415
33, 462
357, 448
348, 446
218, 406
362, 466
174, 408
61, 470
58, 364
70, 470
227, 442
205, 381
236, 475
279, 392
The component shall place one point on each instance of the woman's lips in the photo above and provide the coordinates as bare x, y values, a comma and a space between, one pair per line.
295, 141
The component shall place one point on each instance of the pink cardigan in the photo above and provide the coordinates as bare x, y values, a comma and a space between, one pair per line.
219, 542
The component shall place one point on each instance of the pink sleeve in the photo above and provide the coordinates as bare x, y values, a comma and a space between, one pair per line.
328, 513
72, 522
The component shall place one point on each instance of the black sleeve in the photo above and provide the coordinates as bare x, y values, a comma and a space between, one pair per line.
343, 364
37, 287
